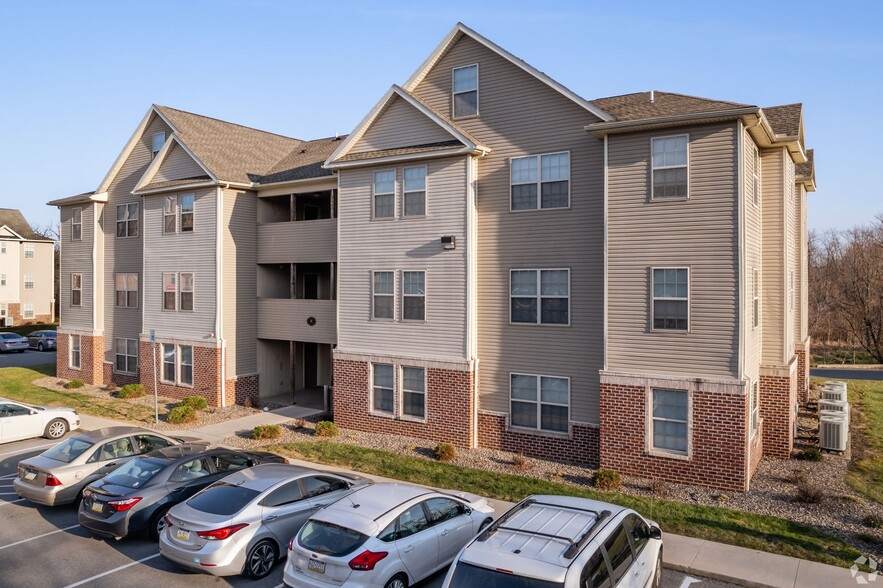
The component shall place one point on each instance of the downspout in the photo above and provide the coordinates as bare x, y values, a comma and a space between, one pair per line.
219, 291
606, 284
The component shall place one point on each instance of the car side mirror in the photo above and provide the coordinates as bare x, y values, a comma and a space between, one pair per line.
467, 511
249, 463
33, 412
655, 533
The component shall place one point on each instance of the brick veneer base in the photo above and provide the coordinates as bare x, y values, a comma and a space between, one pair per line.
91, 368
243, 390
449, 404
582, 447
803, 353
719, 443
206, 374
778, 398
111, 377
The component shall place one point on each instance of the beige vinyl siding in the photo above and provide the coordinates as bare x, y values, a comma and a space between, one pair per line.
790, 257
753, 260
700, 233
774, 262
285, 319
76, 258
181, 252
313, 241
239, 281
42, 268
177, 165
10, 264
400, 125
801, 324
404, 244
522, 116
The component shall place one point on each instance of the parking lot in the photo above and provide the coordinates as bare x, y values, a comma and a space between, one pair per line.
29, 358
46, 547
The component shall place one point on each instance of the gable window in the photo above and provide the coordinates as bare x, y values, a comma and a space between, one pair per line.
127, 220
539, 402
29, 282
29, 250
757, 169
177, 364
669, 167
383, 295
170, 214
413, 296
383, 387
540, 181
384, 194
465, 91
76, 289
186, 206
157, 142
28, 310
126, 286
540, 296
414, 191
186, 297
169, 291
76, 225
126, 356
74, 355
670, 419
414, 392
755, 298
671, 298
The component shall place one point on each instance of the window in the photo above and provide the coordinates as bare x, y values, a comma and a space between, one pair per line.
540, 402
2, 279
191, 470
28, 310
148, 443
415, 191
755, 407
126, 286
546, 176
169, 291
157, 143
669, 167
3, 247
755, 298
168, 363
186, 297
384, 386
383, 285
670, 412
385, 194
187, 213
126, 356
638, 531
412, 521
76, 289
74, 345
127, 220
76, 225
413, 296
287, 494
29, 251
177, 360
757, 185
671, 298
443, 509
465, 91
2, 309
414, 392
185, 356
229, 462
540, 296
595, 574
619, 553
29, 282
170, 214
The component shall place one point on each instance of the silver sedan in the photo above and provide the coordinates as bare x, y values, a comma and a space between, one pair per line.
13, 342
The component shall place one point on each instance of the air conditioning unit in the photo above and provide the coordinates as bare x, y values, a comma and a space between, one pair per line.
833, 433
835, 408
833, 393
835, 384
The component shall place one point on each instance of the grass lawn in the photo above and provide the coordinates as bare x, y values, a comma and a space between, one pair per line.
15, 384
715, 524
26, 330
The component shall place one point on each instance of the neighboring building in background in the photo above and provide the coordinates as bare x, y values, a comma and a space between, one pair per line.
27, 272
488, 259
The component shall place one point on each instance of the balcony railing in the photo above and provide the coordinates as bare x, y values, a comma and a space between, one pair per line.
313, 321
313, 241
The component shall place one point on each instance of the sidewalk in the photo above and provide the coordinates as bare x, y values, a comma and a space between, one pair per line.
717, 561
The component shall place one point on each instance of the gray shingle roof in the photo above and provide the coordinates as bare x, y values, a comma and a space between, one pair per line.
173, 183
15, 220
638, 106
785, 120
808, 169
303, 162
427, 148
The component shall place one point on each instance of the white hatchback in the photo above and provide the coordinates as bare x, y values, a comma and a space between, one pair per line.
23, 421
389, 535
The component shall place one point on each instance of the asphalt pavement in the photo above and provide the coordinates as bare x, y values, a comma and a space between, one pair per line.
846, 374
28, 358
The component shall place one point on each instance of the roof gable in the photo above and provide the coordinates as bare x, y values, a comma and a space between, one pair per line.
398, 125
174, 165
14, 222
6, 232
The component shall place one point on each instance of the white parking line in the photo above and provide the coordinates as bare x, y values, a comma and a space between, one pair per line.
8, 477
25, 450
113, 571
5, 502
8, 493
38, 537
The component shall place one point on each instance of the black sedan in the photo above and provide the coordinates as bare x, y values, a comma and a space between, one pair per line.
135, 497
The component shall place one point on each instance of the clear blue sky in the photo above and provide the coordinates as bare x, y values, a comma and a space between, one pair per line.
77, 77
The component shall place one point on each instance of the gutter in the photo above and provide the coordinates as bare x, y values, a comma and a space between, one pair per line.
599, 130
478, 150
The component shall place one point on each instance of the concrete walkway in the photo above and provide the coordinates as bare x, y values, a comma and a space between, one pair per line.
738, 565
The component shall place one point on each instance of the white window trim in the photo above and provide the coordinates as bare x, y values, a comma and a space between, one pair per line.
80, 290
74, 223
477, 95
653, 168
2, 279
3, 247
657, 452
127, 221
115, 355
393, 295
180, 221
376, 411
166, 214
25, 308
539, 297
153, 137
177, 381
29, 249
375, 194
70, 352
539, 403
539, 182
29, 279
653, 298
403, 295
179, 290
137, 295
755, 299
425, 192
162, 300
401, 394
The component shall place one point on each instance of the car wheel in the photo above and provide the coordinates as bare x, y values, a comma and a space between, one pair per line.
399, 581
21, 350
260, 559
657, 574
485, 524
39, 347
55, 429
157, 523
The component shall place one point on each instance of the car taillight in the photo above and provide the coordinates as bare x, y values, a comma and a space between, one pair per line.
52, 480
50, 340
125, 504
291, 544
367, 560
168, 520
221, 534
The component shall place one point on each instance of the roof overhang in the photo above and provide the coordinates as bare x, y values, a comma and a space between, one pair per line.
86, 198
175, 188
13, 231
467, 150
808, 182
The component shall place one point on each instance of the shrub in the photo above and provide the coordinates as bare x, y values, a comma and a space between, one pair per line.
194, 402
445, 452
75, 384
872, 521
131, 391
810, 493
299, 423
606, 480
810, 454
326, 429
181, 414
519, 462
266, 432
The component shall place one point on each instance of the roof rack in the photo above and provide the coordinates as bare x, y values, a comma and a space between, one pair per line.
574, 545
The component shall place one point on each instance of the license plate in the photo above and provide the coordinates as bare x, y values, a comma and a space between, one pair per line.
183, 534
316, 566
97, 506
30, 475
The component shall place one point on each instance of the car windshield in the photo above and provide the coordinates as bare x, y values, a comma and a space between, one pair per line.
68, 450
469, 575
330, 539
135, 473
49, 333
222, 498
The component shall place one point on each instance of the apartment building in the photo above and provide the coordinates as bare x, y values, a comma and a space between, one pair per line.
27, 272
487, 259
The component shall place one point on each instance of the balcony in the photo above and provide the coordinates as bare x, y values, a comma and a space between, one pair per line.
312, 241
288, 319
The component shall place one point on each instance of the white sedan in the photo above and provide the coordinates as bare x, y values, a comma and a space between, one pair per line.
22, 421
